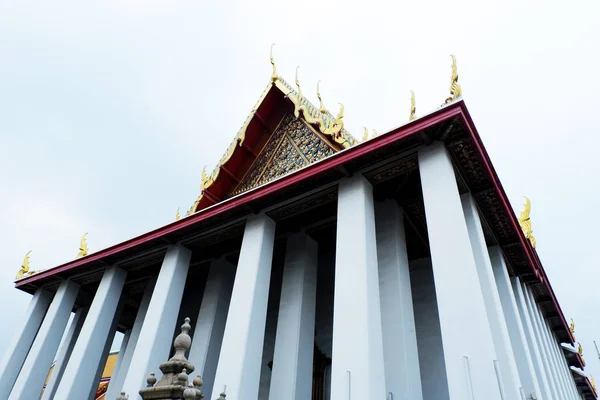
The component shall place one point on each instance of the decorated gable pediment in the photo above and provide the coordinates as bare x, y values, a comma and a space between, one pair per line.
292, 146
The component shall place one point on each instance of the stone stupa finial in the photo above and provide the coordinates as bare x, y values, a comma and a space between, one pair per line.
123, 396
222, 396
175, 379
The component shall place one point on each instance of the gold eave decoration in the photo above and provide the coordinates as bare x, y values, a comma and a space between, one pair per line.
593, 382
572, 327
525, 222
455, 89
413, 107
24, 272
83, 248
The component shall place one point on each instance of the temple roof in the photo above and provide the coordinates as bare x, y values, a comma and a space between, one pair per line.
283, 133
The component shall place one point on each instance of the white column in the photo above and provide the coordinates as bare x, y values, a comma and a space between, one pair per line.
402, 372
126, 354
434, 383
210, 324
80, 373
558, 360
491, 299
17, 350
533, 344
521, 352
31, 379
121, 354
155, 339
64, 353
293, 361
357, 369
533, 311
239, 364
106, 351
466, 336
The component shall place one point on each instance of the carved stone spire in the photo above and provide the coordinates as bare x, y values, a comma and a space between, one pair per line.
175, 379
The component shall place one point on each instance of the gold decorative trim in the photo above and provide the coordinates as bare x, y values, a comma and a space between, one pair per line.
83, 247
525, 222
413, 107
455, 89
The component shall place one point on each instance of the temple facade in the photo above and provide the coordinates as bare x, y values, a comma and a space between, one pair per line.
314, 266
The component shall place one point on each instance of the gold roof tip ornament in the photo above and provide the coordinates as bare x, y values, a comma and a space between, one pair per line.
365, 135
572, 327
525, 222
274, 75
322, 108
177, 217
455, 89
83, 247
24, 272
374, 133
298, 83
413, 107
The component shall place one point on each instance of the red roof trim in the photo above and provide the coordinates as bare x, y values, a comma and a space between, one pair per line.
531, 254
288, 180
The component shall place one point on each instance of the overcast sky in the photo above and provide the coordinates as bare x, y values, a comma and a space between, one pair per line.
108, 113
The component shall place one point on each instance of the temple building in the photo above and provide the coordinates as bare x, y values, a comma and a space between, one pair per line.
313, 265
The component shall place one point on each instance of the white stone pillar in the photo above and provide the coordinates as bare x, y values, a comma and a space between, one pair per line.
64, 353
210, 324
558, 362
239, 366
521, 352
533, 344
466, 336
80, 373
402, 372
17, 350
120, 355
434, 383
491, 299
357, 369
293, 361
35, 369
126, 354
156, 337
542, 340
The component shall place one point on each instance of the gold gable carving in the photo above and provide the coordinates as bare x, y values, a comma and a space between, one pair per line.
292, 146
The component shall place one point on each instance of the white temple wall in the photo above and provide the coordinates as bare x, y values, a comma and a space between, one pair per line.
429, 336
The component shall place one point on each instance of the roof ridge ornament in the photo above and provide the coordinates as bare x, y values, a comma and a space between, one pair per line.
177, 215
374, 133
298, 85
274, 75
572, 327
83, 247
24, 271
525, 222
413, 107
322, 108
455, 89
365, 135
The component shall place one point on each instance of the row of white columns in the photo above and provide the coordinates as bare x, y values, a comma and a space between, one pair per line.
489, 327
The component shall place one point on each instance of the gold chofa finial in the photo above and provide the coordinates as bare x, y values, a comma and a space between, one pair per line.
572, 327
83, 248
322, 108
579, 349
298, 83
365, 135
274, 75
455, 89
24, 271
177, 215
413, 107
525, 222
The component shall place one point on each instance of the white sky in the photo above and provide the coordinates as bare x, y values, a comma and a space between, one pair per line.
108, 112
